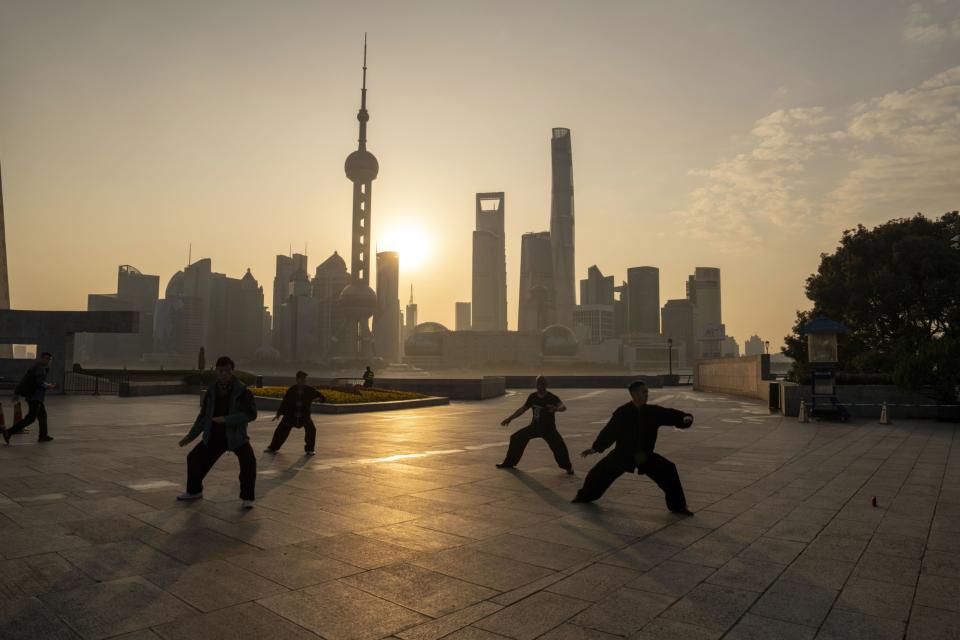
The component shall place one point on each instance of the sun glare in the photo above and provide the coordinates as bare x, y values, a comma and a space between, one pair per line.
410, 241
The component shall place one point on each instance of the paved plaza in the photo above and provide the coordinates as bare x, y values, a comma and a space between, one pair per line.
402, 527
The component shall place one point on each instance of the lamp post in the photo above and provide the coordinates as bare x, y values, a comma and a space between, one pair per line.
670, 356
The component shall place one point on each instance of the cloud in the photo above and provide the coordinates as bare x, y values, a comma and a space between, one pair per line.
814, 169
922, 27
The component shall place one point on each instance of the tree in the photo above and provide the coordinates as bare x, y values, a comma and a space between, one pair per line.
897, 286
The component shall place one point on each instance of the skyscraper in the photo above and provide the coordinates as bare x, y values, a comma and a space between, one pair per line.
386, 322
330, 279
358, 301
596, 288
135, 292
286, 266
703, 290
561, 227
5, 351
410, 317
536, 309
463, 322
643, 300
489, 265
677, 318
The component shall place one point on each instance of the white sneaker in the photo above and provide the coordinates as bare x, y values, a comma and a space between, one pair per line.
248, 504
310, 453
186, 495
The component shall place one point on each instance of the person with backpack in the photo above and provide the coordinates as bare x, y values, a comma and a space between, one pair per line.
227, 408
33, 388
295, 411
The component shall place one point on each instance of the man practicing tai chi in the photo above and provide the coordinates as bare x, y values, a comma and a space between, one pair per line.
633, 431
295, 410
226, 410
544, 425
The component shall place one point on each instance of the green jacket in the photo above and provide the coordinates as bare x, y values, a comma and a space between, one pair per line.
242, 410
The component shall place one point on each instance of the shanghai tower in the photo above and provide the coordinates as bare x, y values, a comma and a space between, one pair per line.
561, 227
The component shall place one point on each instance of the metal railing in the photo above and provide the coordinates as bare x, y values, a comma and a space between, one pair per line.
93, 385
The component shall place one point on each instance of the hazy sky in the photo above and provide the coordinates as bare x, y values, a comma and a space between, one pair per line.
741, 135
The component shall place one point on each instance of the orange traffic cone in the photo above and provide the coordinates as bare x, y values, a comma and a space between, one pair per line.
17, 412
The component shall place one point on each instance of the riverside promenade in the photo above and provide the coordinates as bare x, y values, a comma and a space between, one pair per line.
402, 527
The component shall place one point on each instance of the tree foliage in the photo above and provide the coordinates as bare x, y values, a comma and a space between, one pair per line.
897, 286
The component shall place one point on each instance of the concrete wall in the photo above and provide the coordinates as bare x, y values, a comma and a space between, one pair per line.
453, 388
744, 376
584, 382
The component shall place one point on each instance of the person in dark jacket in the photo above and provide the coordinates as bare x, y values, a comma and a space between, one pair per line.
633, 431
227, 408
545, 406
368, 377
33, 388
295, 411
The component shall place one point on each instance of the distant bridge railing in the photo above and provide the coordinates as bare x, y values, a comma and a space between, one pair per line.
86, 384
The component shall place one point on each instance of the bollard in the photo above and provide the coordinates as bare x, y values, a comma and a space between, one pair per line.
803, 415
884, 416
259, 383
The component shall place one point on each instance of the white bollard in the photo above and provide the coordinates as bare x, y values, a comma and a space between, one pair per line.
803, 416
884, 416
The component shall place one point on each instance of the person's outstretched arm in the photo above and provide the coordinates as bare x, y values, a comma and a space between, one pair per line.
606, 437
516, 414
675, 418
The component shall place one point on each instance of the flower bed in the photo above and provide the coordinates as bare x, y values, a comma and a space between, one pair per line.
346, 395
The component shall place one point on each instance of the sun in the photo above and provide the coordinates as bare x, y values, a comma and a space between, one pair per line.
411, 241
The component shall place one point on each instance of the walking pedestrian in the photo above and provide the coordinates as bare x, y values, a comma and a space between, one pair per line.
33, 387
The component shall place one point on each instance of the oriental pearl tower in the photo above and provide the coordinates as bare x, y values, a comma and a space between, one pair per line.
358, 301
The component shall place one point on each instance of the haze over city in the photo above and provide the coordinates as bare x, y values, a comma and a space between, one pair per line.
744, 136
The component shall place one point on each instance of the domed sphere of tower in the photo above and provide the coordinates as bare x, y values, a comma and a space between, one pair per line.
361, 166
558, 340
358, 301
426, 340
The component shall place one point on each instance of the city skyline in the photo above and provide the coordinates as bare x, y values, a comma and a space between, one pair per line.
159, 145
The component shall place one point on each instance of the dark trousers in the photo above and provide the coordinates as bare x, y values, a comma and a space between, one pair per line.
520, 439
283, 430
35, 411
202, 458
657, 468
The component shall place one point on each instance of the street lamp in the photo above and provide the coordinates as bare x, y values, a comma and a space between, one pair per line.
670, 356
766, 346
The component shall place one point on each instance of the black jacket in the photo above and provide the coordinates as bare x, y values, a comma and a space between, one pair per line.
634, 430
295, 406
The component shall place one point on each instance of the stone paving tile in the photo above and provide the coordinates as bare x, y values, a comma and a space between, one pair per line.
796, 530
671, 578
473, 633
641, 556
199, 545
444, 626
746, 574
532, 617
419, 589
772, 550
465, 526
663, 629
938, 592
292, 566
851, 625
576, 632
933, 624
36, 575
678, 535
119, 560
27, 618
624, 611
415, 538
337, 611
566, 533
19, 543
946, 565
480, 568
822, 572
712, 607
247, 621
537, 552
874, 598
875, 566
108, 529
214, 585
754, 627
594, 582
711, 551
265, 533
359, 551
803, 604
111, 608
897, 545
176, 520
847, 549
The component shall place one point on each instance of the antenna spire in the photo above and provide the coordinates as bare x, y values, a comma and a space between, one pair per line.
362, 115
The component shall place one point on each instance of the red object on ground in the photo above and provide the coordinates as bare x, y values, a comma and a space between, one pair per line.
17, 412
874, 501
